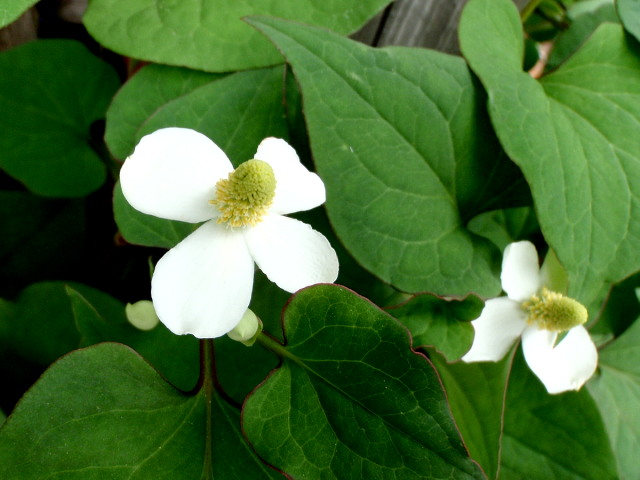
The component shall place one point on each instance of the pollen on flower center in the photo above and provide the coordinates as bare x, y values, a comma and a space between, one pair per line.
553, 311
246, 195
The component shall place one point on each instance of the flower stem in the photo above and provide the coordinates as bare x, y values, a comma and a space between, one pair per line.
529, 9
207, 382
274, 346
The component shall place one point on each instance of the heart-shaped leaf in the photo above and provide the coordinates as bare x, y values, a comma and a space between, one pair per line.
210, 34
351, 400
103, 412
401, 139
51, 92
575, 136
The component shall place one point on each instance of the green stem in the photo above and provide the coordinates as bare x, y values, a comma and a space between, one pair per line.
274, 346
529, 9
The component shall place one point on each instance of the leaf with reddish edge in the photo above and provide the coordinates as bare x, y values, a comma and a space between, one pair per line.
351, 399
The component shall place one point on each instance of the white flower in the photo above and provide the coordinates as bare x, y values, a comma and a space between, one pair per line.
203, 285
537, 315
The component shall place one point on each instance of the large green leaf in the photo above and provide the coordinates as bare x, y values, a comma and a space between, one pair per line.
575, 136
210, 34
103, 412
476, 393
236, 111
351, 400
404, 146
51, 319
616, 390
51, 92
10, 10
552, 436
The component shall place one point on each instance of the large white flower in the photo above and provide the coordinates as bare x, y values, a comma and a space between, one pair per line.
203, 285
538, 315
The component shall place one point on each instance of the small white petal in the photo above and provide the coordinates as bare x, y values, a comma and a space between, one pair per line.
496, 329
203, 285
291, 253
520, 271
297, 189
567, 366
172, 174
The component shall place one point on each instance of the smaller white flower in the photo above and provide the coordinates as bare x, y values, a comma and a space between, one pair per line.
538, 315
203, 285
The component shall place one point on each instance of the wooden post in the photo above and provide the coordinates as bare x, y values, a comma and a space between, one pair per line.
418, 23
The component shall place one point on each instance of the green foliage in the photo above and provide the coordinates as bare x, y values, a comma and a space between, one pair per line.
616, 391
573, 137
629, 11
400, 189
51, 94
103, 412
210, 35
441, 323
351, 399
547, 436
12, 9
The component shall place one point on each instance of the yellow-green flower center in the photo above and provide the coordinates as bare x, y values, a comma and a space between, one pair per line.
553, 311
246, 195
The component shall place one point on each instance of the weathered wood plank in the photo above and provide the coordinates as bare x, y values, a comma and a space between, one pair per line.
418, 23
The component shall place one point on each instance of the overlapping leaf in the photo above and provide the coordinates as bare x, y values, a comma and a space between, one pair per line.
616, 390
552, 436
236, 111
210, 34
351, 399
51, 92
402, 142
629, 11
441, 323
103, 412
575, 137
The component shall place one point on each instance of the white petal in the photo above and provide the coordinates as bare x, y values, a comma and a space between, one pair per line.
297, 189
496, 329
520, 272
172, 174
565, 367
291, 253
203, 285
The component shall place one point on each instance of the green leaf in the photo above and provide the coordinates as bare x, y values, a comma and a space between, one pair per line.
503, 227
148, 91
351, 399
210, 35
616, 390
442, 323
629, 11
51, 92
401, 139
103, 412
175, 356
582, 26
574, 134
141, 229
12, 9
40, 238
552, 436
236, 111
476, 393
51, 319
